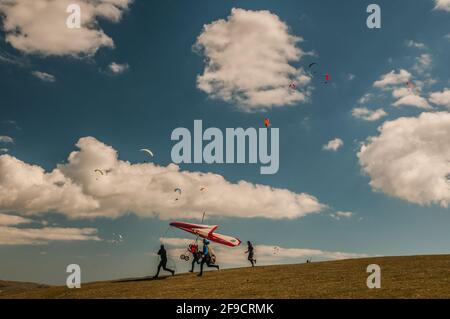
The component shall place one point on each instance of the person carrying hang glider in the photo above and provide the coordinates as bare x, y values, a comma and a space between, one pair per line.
196, 255
208, 257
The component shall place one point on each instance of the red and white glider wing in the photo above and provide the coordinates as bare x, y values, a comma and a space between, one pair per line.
207, 231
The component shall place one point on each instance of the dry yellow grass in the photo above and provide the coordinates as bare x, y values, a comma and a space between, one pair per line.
402, 277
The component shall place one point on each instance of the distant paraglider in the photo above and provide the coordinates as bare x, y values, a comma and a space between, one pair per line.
312, 68
98, 171
266, 122
118, 238
311, 65
146, 150
177, 190
293, 85
276, 250
327, 77
410, 85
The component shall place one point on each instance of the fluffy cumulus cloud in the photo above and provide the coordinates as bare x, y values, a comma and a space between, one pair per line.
248, 60
46, 77
410, 159
442, 5
39, 26
365, 114
393, 79
333, 145
404, 90
413, 100
265, 254
77, 190
441, 98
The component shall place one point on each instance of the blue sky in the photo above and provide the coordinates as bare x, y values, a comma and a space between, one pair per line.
77, 95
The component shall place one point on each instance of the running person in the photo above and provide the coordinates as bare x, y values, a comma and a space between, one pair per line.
250, 251
163, 263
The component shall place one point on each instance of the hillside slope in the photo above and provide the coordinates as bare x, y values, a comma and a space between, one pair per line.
402, 277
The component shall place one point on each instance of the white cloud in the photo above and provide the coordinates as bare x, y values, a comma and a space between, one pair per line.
8, 220
410, 159
42, 236
441, 98
442, 5
351, 77
333, 145
397, 84
393, 79
339, 215
146, 189
247, 59
413, 100
39, 26
6, 139
265, 254
4, 150
44, 76
365, 114
413, 44
118, 68
423, 63
365, 98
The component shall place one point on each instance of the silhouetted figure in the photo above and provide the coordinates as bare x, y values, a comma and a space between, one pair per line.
163, 263
208, 257
196, 255
250, 251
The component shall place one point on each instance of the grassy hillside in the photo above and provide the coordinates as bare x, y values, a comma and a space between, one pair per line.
402, 277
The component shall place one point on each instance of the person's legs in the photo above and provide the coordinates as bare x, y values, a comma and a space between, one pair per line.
167, 269
159, 268
193, 263
201, 267
212, 265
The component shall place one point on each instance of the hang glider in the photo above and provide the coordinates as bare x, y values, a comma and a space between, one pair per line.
207, 232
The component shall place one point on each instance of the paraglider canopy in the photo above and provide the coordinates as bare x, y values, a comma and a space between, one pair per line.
146, 150
312, 67
266, 122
